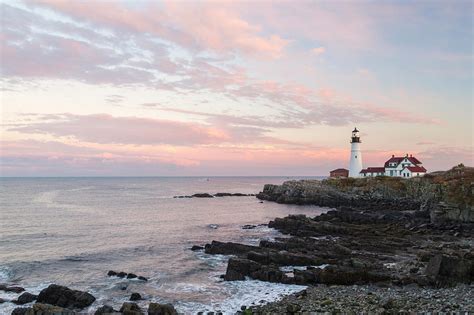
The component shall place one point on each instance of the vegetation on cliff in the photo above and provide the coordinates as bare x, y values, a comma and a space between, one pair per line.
444, 195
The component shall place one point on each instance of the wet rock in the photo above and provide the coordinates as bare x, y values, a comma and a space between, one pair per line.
14, 289
129, 308
293, 308
161, 309
202, 195
238, 269
450, 269
135, 296
228, 248
131, 276
43, 309
197, 247
121, 274
222, 195
105, 310
64, 297
20, 311
111, 273
25, 298
142, 278
248, 227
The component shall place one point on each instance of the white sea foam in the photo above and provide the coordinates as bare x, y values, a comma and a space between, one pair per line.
248, 293
4, 274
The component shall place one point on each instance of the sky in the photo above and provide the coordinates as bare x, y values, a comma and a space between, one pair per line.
216, 88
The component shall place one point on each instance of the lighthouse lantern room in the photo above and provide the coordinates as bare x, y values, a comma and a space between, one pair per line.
355, 165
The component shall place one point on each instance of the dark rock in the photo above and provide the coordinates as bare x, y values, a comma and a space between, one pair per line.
161, 309
142, 278
14, 289
43, 309
105, 310
111, 273
228, 248
197, 247
202, 195
450, 269
135, 296
238, 269
64, 297
293, 308
20, 311
248, 227
121, 274
222, 195
131, 276
25, 298
129, 308
3, 301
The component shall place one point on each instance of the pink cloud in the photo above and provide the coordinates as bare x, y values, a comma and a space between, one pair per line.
107, 129
103, 128
209, 27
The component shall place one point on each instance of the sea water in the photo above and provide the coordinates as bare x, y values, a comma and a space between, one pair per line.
71, 231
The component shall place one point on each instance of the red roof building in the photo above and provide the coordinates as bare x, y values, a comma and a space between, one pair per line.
397, 166
340, 172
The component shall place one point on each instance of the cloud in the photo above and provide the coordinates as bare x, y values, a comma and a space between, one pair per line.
103, 128
318, 51
203, 26
107, 129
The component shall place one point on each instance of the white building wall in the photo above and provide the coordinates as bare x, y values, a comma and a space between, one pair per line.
355, 165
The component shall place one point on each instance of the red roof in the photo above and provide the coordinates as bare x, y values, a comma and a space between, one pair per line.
416, 169
339, 170
414, 160
394, 160
398, 159
373, 170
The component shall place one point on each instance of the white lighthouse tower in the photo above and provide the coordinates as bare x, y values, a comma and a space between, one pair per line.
355, 165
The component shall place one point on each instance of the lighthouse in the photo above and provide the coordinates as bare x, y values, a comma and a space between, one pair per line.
355, 165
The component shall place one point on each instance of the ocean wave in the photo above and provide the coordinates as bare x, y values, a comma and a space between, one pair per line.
248, 293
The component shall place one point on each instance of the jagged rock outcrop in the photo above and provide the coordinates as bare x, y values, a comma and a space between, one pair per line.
64, 297
444, 196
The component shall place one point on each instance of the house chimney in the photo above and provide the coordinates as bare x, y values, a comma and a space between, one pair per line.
393, 155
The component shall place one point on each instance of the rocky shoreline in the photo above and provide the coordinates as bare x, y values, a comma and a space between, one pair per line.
389, 246
399, 240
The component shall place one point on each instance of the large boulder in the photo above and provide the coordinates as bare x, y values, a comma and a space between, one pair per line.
42, 309
135, 296
14, 289
450, 269
161, 309
130, 309
239, 268
65, 297
25, 298
105, 310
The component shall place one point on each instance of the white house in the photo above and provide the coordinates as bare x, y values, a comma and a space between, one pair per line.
397, 166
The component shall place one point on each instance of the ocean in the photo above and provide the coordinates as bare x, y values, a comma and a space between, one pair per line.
71, 231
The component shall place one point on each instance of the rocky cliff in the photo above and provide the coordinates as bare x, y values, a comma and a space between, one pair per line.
444, 196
